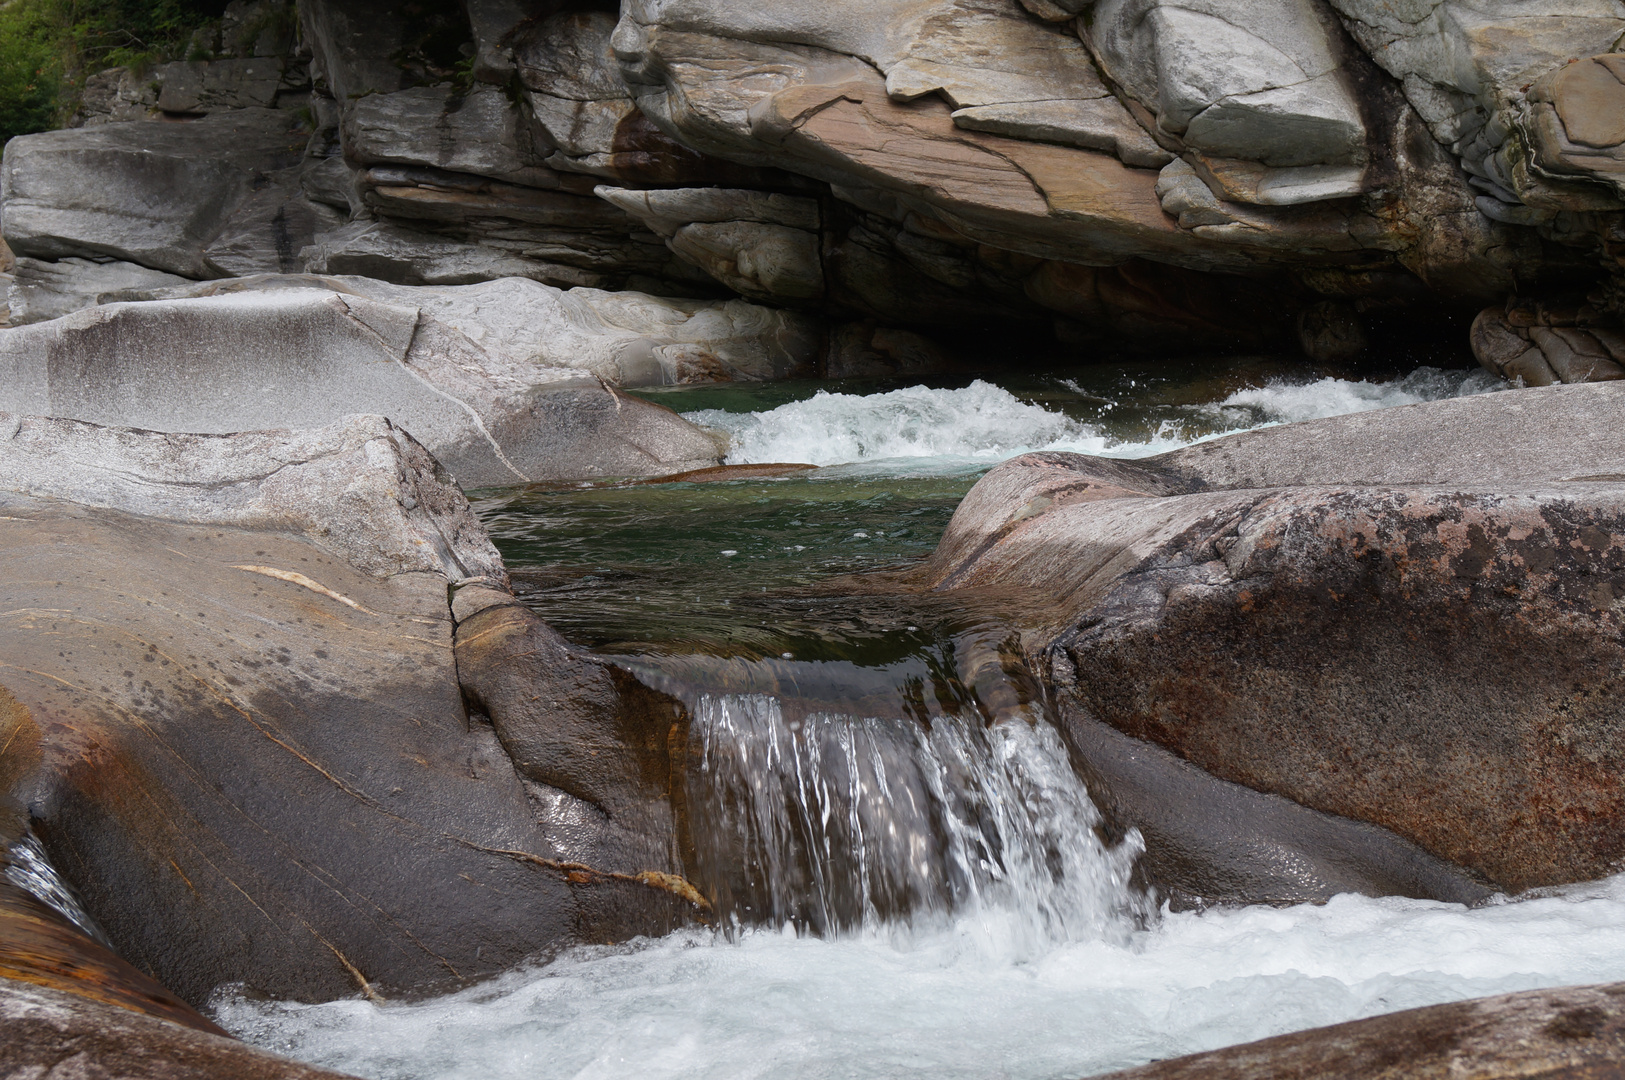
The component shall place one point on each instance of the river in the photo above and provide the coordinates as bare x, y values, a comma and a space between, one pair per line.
908, 884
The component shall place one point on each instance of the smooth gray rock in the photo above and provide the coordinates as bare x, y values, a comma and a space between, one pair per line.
763, 246
669, 209
569, 237
331, 182
574, 88
303, 357
46, 290
763, 262
403, 256
1238, 79
1499, 440
269, 229
1468, 68
479, 132
340, 486
157, 194
202, 86
998, 69
297, 792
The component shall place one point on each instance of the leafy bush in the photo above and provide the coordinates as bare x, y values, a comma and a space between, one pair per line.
48, 47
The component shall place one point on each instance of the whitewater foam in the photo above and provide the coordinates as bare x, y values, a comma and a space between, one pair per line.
983, 423
839, 823
943, 1005
1285, 403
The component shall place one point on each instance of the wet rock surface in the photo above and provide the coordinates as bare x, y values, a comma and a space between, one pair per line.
1409, 618
268, 699
49, 1032
243, 732
40, 947
1576, 1031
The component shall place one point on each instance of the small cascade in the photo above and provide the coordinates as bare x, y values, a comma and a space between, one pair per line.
837, 823
29, 868
931, 790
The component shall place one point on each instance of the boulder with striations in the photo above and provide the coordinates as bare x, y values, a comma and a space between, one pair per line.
1409, 618
509, 381
255, 691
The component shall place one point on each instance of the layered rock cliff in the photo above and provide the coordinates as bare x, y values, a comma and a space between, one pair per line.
1121, 173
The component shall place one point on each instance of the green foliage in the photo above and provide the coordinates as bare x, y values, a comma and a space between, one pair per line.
48, 47
30, 70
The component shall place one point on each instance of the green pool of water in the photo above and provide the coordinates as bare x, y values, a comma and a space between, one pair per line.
730, 566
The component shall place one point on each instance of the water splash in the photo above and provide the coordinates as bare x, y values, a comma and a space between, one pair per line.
836, 823
771, 1005
1285, 403
980, 422
983, 423
29, 868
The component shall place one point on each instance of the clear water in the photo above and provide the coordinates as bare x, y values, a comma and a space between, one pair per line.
836, 823
911, 876
734, 565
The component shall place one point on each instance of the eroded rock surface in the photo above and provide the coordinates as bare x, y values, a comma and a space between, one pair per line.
236, 679
507, 382
1410, 617
955, 164
178, 198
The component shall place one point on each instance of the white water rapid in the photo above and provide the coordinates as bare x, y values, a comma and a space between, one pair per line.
845, 824
929, 897
952, 1000
982, 423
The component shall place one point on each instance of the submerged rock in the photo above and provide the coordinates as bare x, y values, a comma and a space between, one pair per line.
1410, 617
240, 727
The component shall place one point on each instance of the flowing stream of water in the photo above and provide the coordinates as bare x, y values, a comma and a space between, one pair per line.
911, 876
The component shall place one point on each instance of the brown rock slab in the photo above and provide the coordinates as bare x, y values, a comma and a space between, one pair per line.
52, 1033
1571, 1032
1411, 618
238, 725
38, 946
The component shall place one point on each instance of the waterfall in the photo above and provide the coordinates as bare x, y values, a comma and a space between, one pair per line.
28, 867
837, 823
